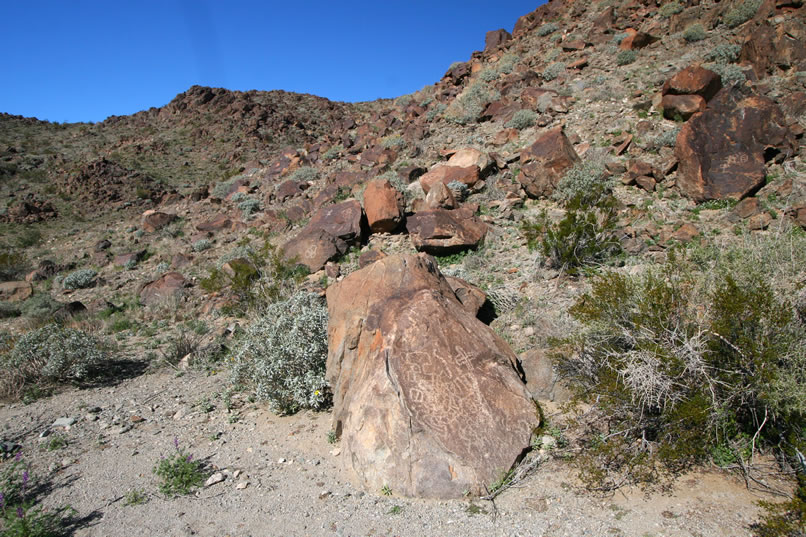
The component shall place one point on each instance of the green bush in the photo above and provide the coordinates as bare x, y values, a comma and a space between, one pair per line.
467, 108
547, 29
724, 54
667, 138
522, 119
742, 13
40, 306
80, 279
248, 207
12, 265
553, 71
626, 57
670, 8
304, 174
686, 362
283, 353
585, 236
730, 74
695, 32
9, 309
49, 354
586, 180
221, 190
180, 473
333, 153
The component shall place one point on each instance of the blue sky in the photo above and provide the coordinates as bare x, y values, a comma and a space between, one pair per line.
75, 60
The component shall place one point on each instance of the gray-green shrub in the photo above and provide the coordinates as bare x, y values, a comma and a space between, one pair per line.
695, 32
467, 108
304, 174
282, 355
742, 13
546, 29
670, 8
522, 119
201, 245
731, 74
51, 353
626, 57
248, 207
79, 279
585, 179
553, 71
724, 54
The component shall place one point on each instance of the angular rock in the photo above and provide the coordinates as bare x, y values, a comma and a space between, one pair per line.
545, 162
168, 287
470, 296
217, 223
721, 151
496, 38
693, 80
683, 106
440, 197
314, 248
473, 157
122, 259
369, 257
15, 291
344, 221
427, 400
468, 175
155, 220
636, 40
383, 205
445, 232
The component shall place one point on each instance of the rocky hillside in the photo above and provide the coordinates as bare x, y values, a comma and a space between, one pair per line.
605, 191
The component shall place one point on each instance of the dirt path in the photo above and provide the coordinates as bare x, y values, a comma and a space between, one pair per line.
288, 478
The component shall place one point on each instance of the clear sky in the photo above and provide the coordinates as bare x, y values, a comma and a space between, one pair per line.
81, 60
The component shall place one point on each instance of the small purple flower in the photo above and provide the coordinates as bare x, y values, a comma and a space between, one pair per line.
25, 478
176, 442
189, 457
18, 458
2, 501
20, 513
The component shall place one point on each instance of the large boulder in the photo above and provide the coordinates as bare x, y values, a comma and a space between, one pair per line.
472, 157
496, 38
693, 80
383, 205
445, 232
467, 175
156, 220
343, 220
545, 162
427, 399
721, 151
15, 291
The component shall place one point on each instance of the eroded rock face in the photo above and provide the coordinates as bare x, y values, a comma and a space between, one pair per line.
545, 162
426, 397
721, 151
445, 232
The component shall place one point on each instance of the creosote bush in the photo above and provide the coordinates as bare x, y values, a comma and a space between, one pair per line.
724, 54
701, 359
304, 174
553, 71
49, 354
547, 29
626, 57
202, 245
80, 279
282, 355
670, 8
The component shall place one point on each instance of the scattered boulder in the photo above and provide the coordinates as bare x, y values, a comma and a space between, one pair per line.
721, 151
427, 400
445, 232
314, 248
473, 157
219, 222
15, 291
369, 257
168, 287
122, 260
383, 205
467, 175
440, 197
683, 106
545, 162
496, 38
470, 296
155, 220
343, 220
693, 80
636, 40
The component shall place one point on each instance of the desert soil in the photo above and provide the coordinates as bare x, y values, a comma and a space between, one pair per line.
282, 477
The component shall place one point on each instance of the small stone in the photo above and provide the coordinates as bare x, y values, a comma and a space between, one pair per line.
236, 474
217, 477
44, 434
137, 419
64, 422
281, 460
335, 452
242, 485
120, 430
91, 417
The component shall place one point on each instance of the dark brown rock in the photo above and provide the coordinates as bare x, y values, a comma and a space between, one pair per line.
444, 232
768, 46
344, 221
693, 80
427, 400
682, 106
636, 40
747, 208
721, 151
314, 248
220, 222
440, 197
369, 257
496, 38
468, 176
383, 205
470, 296
545, 162
155, 220
167, 288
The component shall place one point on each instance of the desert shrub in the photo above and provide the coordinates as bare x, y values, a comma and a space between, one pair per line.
467, 108
162, 268
724, 54
180, 472
458, 189
584, 236
248, 207
131, 264
29, 236
686, 362
333, 153
547, 29
304, 174
695, 32
49, 354
787, 519
9, 309
730, 74
221, 190
489, 74
670, 8
626, 57
40, 306
393, 141
283, 353
667, 138
12, 265
238, 196
586, 180
553, 71
202, 245
522, 119
742, 13
434, 112
618, 38
79, 279
507, 63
